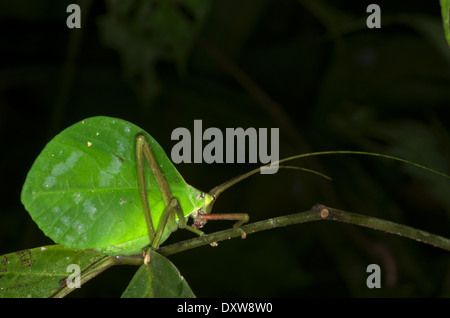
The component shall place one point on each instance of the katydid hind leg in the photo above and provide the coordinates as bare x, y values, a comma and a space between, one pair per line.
157, 173
142, 186
172, 205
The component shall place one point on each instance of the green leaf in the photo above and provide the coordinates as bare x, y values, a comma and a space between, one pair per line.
82, 190
445, 9
159, 279
40, 272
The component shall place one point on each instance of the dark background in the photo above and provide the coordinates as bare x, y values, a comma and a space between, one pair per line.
311, 68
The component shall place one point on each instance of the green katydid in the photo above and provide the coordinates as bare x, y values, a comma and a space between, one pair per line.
106, 184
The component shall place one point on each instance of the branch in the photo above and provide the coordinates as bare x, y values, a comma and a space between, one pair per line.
318, 212
383, 225
99, 267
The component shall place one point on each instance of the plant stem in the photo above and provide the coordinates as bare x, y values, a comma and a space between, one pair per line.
99, 267
318, 212
383, 225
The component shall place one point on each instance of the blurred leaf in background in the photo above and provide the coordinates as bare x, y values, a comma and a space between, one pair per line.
445, 7
145, 32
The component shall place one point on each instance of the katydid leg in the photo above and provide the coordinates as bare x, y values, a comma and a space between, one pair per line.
172, 206
145, 151
170, 210
241, 218
142, 186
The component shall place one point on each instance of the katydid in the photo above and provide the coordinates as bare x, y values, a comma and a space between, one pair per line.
106, 184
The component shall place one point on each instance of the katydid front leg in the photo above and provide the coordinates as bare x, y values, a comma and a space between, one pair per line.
241, 218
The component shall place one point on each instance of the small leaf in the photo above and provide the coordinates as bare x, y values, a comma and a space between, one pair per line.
41, 271
159, 279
